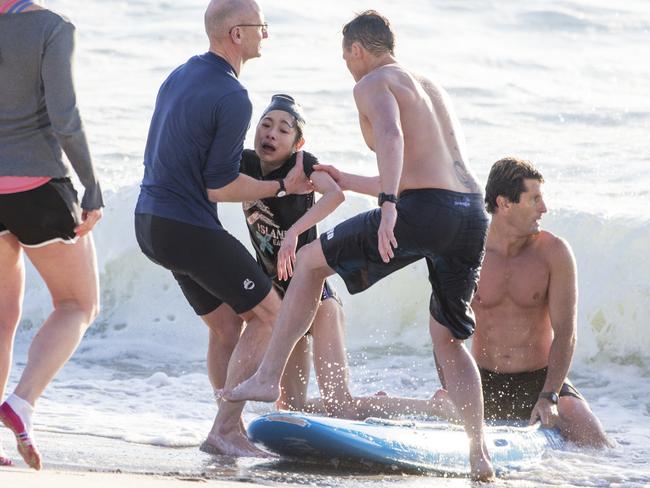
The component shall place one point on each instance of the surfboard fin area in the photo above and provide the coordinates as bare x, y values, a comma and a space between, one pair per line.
397, 444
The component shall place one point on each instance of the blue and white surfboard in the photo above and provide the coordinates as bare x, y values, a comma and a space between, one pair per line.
430, 446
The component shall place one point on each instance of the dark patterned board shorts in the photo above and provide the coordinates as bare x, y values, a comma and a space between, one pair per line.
446, 228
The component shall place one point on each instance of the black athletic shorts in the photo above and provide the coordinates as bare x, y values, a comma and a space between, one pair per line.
46, 214
512, 396
211, 266
446, 228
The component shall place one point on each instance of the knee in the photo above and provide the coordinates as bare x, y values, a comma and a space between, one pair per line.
341, 409
91, 309
302, 255
226, 334
574, 410
266, 311
9, 319
307, 257
88, 308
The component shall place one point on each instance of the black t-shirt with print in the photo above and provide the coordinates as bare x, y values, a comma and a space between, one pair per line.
269, 219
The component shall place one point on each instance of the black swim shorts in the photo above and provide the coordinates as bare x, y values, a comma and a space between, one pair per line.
46, 214
446, 228
211, 266
512, 396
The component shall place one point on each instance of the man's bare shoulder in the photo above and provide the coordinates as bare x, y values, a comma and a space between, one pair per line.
426, 83
555, 249
373, 86
376, 78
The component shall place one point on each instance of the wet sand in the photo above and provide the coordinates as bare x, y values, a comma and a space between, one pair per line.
23, 478
71, 460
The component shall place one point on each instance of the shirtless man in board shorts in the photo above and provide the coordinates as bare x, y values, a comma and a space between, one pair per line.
439, 215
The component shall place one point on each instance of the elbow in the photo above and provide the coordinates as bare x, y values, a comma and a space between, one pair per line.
334, 197
66, 123
570, 340
339, 196
390, 132
217, 195
573, 340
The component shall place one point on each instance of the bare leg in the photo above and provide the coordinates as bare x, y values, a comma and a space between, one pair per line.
225, 328
12, 289
70, 273
293, 387
226, 435
578, 424
297, 313
385, 406
464, 386
330, 360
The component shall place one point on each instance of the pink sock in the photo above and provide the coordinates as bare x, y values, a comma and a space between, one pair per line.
16, 414
23, 409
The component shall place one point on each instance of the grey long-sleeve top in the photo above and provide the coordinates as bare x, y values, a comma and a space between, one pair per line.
38, 106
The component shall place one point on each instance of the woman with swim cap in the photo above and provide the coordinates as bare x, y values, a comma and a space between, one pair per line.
278, 227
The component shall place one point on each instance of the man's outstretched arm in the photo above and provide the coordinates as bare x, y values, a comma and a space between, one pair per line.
245, 188
562, 302
367, 185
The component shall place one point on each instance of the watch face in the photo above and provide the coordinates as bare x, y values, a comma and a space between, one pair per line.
550, 396
280, 193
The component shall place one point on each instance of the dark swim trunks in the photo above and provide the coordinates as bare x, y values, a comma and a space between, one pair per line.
48, 213
446, 228
210, 266
512, 396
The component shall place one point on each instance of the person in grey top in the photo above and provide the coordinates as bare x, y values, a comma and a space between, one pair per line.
39, 211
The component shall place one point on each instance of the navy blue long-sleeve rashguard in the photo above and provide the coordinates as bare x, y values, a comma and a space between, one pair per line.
195, 141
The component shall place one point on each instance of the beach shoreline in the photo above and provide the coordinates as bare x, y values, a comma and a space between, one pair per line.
68, 456
70, 459
20, 477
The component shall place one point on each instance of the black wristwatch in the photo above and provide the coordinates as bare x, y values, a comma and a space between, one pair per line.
386, 197
551, 396
282, 191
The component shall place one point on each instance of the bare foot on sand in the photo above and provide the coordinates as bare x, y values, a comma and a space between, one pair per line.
253, 389
4, 460
480, 464
234, 444
24, 440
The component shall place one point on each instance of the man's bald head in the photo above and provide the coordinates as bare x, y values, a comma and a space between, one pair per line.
222, 15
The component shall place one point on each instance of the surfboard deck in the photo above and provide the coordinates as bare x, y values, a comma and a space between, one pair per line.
406, 445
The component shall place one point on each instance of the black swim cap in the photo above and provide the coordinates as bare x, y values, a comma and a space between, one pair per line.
286, 103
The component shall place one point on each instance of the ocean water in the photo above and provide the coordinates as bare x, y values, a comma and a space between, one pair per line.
562, 83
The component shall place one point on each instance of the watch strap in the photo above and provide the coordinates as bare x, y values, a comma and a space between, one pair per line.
550, 396
386, 197
282, 191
